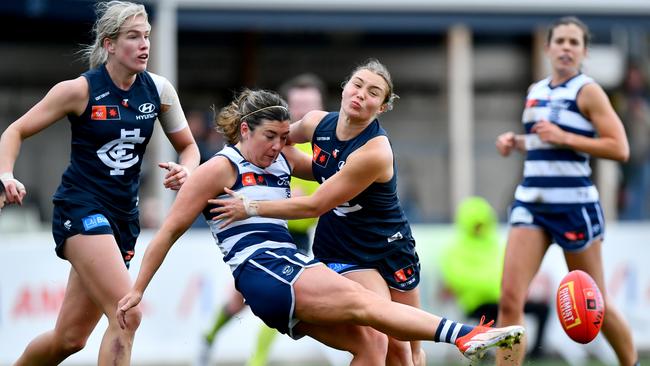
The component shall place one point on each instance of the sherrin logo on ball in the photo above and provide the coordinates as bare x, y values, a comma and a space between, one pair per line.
580, 306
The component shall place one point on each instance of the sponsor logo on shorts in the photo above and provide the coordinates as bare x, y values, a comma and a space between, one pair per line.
396, 236
67, 224
129, 255
404, 275
287, 270
94, 221
574, 235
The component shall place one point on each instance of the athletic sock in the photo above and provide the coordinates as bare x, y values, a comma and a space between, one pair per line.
222, 318
448, 331
265, 339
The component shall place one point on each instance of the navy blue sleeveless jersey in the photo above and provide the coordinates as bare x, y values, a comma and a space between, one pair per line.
371, 225
109, 141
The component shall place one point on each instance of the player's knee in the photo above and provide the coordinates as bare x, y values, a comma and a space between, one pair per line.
71, 342
511, 303
133, 318
399, 353
369, 344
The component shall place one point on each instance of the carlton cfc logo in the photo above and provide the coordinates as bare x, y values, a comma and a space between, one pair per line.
116, 155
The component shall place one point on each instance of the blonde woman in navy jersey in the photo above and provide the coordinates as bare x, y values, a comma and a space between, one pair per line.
567, 119
112, 109
288, 290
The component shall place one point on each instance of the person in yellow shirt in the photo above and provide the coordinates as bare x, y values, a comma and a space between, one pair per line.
471, 266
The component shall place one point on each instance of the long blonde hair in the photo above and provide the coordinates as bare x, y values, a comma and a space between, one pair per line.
111, 16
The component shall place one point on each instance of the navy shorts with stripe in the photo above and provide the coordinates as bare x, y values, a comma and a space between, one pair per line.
70, 218
266, 281
572, 227
400, 269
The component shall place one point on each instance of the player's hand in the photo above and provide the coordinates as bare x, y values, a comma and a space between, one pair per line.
550, 132
506, 142
130, 300
230, 209
14, 190
177, 175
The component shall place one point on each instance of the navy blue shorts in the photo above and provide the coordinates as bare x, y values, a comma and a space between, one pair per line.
573, 227
400, 270
71, 218
266, 281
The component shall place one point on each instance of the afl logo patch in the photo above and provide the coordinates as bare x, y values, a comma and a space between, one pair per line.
146, 108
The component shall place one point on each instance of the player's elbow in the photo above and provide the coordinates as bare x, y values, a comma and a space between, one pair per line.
315, 210
622, 154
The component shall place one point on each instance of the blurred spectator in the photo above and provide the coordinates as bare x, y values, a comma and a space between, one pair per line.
633, 105
472, 265
207, 139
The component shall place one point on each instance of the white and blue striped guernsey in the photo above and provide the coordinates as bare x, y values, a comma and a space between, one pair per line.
554, 174
241, 239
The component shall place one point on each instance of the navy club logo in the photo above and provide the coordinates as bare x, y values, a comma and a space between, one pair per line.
115, 154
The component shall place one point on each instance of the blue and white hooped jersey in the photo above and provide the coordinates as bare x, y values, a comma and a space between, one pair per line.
553, 174
109, 141
371, 225
241, 239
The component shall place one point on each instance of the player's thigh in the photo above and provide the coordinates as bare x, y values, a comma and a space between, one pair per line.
411, 297
79, 314
370, 279
524, 253
325, 297
98, 261
589, 260
346, 337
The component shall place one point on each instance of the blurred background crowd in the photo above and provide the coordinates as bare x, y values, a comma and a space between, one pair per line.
463, 64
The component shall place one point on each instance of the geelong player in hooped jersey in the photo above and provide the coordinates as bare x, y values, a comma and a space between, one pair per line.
112, 109
567, 119
288, 290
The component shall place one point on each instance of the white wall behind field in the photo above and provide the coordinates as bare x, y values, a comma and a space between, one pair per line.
193, 282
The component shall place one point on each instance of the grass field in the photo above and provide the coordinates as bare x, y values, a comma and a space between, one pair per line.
542, 362
537, 362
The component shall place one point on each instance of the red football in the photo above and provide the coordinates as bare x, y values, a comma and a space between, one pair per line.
580, 306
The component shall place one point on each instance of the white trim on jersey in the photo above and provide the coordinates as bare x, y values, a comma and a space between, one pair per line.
557, 195
548, 168
241, 256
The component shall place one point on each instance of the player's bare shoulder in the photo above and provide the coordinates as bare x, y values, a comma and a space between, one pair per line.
71, 95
